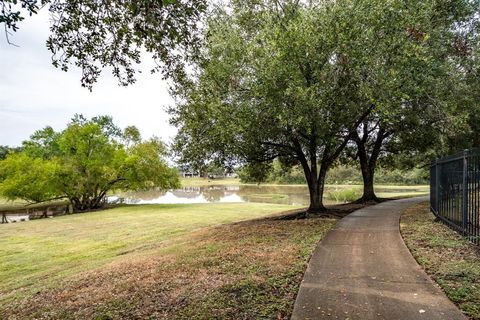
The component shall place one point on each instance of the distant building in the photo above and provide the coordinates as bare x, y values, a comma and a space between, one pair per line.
189, 174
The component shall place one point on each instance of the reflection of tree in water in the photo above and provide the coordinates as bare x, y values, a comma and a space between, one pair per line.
136, 196
214, 193
187, 192
296, 195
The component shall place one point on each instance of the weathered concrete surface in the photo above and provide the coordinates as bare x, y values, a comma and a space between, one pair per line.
363, 270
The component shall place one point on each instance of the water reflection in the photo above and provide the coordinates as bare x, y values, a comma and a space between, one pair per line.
292, 195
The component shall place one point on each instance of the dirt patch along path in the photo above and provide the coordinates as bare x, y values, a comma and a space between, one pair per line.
447, 257
363, 270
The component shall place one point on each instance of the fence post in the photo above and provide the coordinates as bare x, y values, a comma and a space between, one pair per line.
465, 192
437, 187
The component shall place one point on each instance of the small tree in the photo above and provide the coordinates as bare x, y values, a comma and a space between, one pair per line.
83, 163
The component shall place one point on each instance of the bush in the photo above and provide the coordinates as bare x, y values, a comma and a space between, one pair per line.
344, 195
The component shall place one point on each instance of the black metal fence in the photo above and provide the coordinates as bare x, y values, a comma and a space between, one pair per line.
455, 192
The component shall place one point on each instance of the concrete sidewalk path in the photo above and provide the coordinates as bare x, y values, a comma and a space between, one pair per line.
363, 270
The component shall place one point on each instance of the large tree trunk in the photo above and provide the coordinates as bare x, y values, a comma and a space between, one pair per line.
315, 175
316, 188
87, 203
316, 204
368, 164
368, 174
316, 184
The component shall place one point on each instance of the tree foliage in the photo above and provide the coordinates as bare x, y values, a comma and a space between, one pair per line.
94, 34
434, 102
83, 163
11, 12
5, 150
295, 81
279, 90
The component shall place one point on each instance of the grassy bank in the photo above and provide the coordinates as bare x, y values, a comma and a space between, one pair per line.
452, 261
156, 262
268, 193
35, 253
7, 205
199, 182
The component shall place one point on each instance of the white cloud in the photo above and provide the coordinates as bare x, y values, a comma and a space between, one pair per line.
34, 94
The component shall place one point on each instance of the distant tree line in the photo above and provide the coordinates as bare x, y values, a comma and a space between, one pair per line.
340, 174
5, 150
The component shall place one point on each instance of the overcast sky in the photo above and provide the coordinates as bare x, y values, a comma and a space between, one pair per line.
34, 94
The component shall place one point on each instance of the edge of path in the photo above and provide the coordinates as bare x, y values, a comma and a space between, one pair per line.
362, 269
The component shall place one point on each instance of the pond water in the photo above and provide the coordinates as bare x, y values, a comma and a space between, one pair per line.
292, 195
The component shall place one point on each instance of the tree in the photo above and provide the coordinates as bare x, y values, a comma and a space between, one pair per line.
27, 178
5, 150
465, 59
416, 115
415, 129
94, 34
279, 91
83, 163
294, 81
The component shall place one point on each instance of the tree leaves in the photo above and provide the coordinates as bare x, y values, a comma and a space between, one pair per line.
94, 35
84, 162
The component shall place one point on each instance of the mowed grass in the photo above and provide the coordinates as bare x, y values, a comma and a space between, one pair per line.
200, 182
6, 204
245, 270
35, 254
451, 260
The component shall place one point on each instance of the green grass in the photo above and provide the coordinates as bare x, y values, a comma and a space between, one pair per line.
177, 269
451, 260
343, 195
6, 205
37, 253
199, 182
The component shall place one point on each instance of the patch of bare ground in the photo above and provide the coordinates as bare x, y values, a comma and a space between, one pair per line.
451, 260
247, 270
337, 211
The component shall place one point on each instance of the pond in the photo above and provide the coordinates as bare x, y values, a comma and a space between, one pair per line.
278, 194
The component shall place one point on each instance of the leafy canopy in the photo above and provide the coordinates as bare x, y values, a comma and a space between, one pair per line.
293, 80
83, 163
95, 34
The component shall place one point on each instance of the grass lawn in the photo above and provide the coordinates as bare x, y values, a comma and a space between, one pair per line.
6, 205
156, 261
451, 260
199, 182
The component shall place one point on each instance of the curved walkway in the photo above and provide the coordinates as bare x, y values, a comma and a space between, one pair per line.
363, 270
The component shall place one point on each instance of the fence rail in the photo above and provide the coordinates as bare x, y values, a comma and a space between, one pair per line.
455, 192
